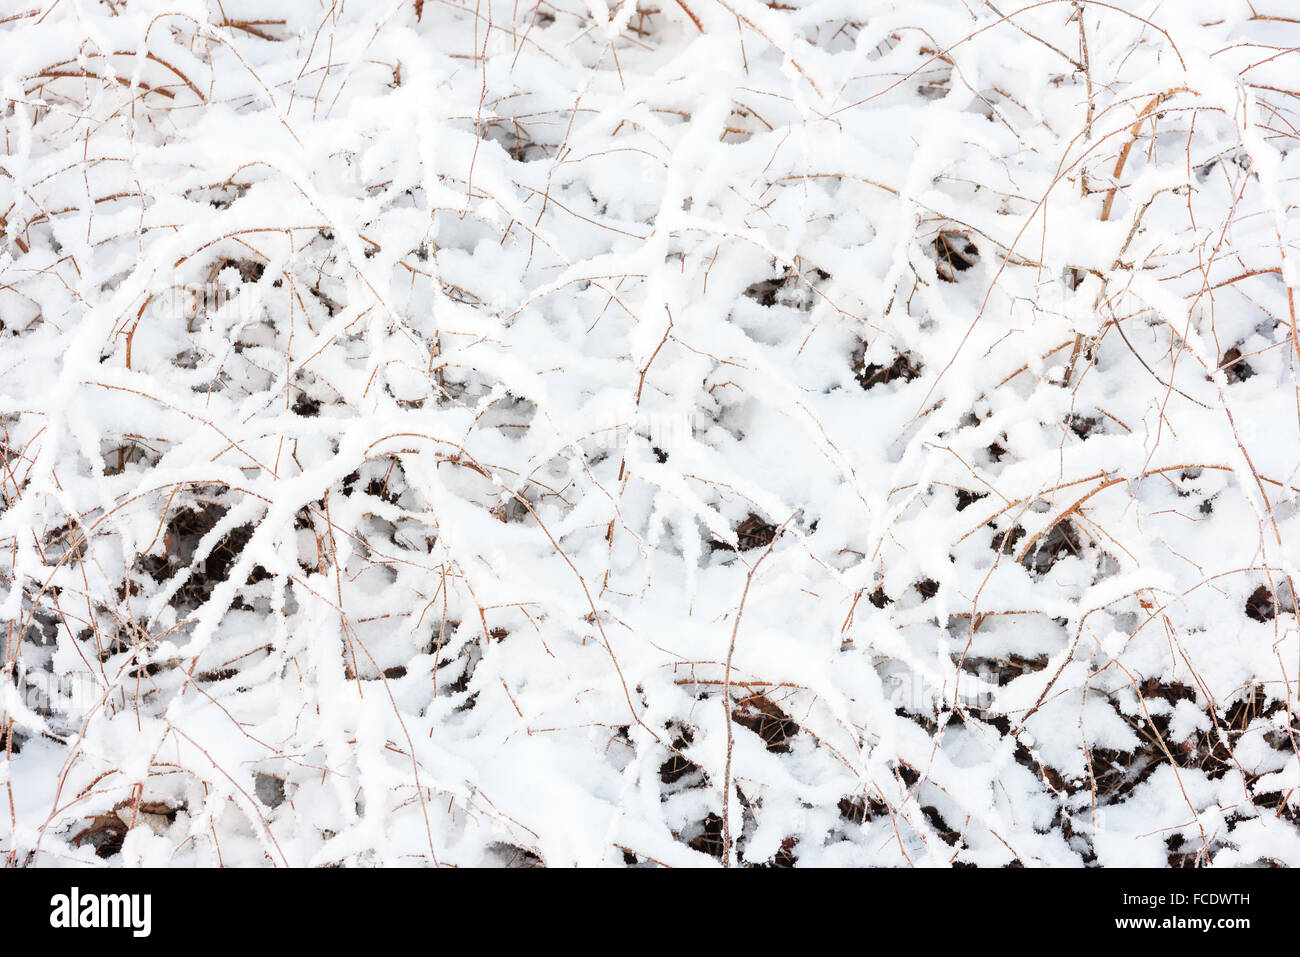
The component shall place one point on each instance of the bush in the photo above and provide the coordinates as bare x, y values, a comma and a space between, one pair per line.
792, 434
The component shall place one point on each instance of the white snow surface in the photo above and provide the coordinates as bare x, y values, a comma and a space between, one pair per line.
828, 432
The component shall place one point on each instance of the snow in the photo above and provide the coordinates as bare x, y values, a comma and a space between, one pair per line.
395, 410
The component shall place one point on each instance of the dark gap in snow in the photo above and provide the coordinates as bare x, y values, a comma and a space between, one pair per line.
954, 253
760, 714
783, 858
219, 674
1251, 706
860, 809
249, 270
936, 821
1082, 425
378, 487
1282, 806
753, 532
869, 375
1194, 857
764, 292
302, 517
707, 836
269, 789
513, 856
11, 742
1260, 605
384, 480
1060, 541
1005, 542
1004, 669
788, 289
306, 406
1238, 158
104, 832
66, 542
514, 137
1114, 774
678, 765
331, 307
1171, 691
1235, 367
224, 195
908, 774
469, 657
131, 450
511, 510
1073, 277
442, 633
182, 533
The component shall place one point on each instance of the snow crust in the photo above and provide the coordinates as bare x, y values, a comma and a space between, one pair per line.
833, 432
